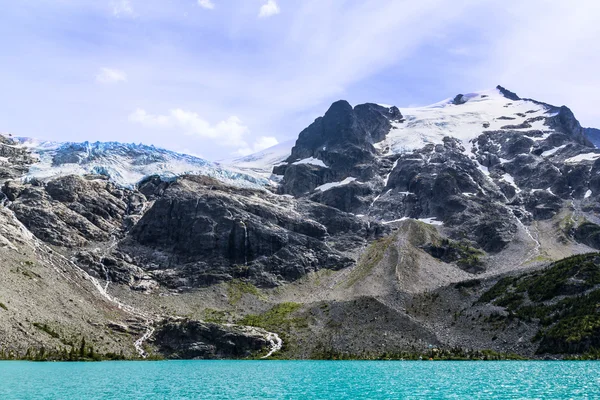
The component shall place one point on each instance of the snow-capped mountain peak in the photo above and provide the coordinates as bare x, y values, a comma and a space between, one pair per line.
463, 118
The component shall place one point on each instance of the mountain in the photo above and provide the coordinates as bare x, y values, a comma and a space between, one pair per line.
380, 232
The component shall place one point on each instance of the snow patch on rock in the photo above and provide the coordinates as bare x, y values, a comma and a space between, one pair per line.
583, 157
311, 161
331, 185
548, 153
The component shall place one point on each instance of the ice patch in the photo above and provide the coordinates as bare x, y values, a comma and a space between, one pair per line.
509, 178
311, 161
548, 153
331, 185
395, 220
483, 169
587, 194
539, 138
583, 157
431, 221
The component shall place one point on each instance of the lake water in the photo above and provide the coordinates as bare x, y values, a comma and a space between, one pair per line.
300, 380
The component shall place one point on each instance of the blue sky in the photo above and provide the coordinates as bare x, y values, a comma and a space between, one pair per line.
220, 78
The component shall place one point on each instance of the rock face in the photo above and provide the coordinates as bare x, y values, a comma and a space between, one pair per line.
337, 145
73, 211
200, 232
507, 93
14, 161
188, 339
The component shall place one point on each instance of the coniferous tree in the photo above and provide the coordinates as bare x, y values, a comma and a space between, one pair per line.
82, 348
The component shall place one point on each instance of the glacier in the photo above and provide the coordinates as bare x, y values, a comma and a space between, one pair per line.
125, 164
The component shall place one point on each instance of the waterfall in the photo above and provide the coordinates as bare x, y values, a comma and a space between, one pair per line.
246, 242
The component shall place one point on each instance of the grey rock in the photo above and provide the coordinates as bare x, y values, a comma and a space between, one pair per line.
200, 232
508, 94
190, 339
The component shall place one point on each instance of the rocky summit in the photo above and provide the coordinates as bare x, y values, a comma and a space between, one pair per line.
468, 227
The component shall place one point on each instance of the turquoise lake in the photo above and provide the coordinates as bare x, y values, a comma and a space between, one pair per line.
300, 380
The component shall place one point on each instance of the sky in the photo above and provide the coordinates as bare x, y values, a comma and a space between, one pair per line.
225, 78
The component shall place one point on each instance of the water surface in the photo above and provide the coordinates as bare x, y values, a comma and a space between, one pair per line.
300, 380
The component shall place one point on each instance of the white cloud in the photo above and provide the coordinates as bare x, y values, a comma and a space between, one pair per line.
229, 132
536, 59
122, 8
269, 9
208, 4
263, 142
398, 50
110, 75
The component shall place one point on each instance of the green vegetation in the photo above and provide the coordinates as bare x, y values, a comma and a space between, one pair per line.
25, 271
369, 259
464, 255
215, 316
567, 223
47, 329
455, 354
322, 273
82, 352
468, 284
276, 319
497, 290
279, 319
538, 259
237, 288
564, 299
